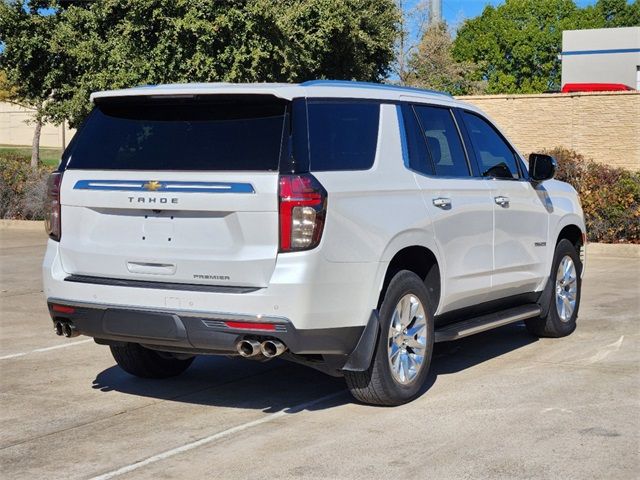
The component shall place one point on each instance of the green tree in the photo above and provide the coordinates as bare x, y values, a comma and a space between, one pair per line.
122, 43
27, 61
431, 64
516, 44
610, 13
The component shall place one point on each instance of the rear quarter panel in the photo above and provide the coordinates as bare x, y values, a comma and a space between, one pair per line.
373, 214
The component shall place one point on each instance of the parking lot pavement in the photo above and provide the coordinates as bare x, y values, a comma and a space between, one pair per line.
498, 405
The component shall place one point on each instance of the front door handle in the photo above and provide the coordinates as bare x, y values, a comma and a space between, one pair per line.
442, 202
502, 201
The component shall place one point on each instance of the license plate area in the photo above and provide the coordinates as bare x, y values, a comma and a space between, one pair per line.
133, 323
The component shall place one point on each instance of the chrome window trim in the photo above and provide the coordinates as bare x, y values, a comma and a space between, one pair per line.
164, 186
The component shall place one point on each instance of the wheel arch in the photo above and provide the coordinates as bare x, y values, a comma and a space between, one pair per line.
421, 260
571, 227
568, 224
573, 233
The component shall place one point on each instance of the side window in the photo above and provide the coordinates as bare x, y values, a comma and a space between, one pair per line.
495, 156
416, 147
342, 135
443, 141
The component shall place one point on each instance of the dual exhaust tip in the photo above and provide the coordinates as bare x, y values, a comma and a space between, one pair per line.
67, 329
268, 348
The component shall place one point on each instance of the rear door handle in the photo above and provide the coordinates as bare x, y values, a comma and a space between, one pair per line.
502, 201
442, 202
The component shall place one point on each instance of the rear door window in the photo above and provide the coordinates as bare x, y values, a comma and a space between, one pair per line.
211, 133
343, 135
443, 141
497, 159
419, 159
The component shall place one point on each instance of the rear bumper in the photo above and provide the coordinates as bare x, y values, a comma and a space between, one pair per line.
305, 288
197, 332
318, 306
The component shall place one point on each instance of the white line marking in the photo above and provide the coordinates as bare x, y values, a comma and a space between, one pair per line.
604, 352
556, 409
46, 349
203, 441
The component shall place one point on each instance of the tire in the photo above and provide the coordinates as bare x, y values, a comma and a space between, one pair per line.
558, 322
145, 363
379, 385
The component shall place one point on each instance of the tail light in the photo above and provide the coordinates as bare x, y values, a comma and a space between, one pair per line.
62, 308
303, 206
52, 206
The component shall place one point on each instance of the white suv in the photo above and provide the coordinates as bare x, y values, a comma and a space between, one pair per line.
345, 226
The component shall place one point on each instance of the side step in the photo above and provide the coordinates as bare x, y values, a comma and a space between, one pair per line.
475, 325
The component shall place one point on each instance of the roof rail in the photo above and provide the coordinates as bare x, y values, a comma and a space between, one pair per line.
384, 86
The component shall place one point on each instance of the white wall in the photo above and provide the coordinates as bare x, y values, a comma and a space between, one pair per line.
15, 131
601, 55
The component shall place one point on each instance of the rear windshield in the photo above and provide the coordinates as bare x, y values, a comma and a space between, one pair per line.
229, 133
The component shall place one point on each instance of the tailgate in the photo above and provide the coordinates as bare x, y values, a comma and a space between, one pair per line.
215, 229
175, 190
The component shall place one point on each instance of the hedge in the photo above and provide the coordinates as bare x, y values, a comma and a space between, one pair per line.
610, 196
22, 191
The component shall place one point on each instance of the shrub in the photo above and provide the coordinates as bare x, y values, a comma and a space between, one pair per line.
22, 190
610, 196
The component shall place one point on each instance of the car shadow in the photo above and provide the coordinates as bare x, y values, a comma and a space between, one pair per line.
452, 357
235, 383
283, 386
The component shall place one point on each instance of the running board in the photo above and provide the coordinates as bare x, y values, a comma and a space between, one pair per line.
475, 325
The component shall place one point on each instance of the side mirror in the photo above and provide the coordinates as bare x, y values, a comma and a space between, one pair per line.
541, 167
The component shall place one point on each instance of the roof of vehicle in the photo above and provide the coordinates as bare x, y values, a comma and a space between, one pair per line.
288, 91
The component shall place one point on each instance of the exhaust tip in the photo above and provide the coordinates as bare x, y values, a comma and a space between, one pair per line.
248, 348
272, 348
69, 330
57, 328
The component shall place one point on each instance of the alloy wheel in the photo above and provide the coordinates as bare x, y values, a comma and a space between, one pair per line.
566, 288
407, 339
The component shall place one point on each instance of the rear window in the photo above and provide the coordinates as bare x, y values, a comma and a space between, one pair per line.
342, 135
443, 141
229, 133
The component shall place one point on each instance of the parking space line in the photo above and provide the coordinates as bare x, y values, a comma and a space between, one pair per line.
46, 349
212, 438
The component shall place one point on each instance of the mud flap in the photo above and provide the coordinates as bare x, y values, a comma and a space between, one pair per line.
360, 358
544, 302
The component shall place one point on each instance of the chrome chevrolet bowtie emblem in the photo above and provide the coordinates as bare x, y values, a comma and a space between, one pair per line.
152, 186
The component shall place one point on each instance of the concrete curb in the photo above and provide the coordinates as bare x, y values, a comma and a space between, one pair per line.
22, 224
623, 250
